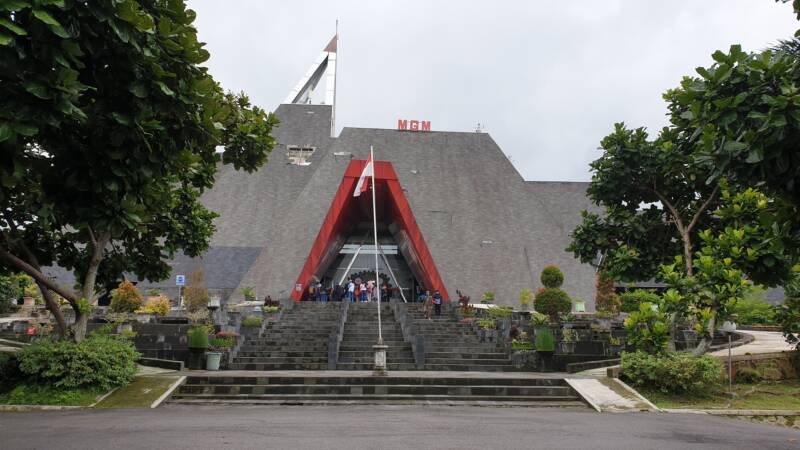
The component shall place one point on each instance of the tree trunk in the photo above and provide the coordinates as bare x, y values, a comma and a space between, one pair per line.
705, 343
687, 252
673, 330
55, 309
79, 327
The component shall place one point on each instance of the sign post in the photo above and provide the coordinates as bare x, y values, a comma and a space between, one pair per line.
180, 281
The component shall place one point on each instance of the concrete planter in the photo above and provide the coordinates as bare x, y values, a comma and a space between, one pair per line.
212, 360
28, 301
144, 318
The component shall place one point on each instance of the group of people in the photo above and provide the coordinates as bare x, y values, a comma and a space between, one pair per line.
431, 303
352, 290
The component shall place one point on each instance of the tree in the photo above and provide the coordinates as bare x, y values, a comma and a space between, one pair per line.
751, 242
655, 199
109, 130
743, 116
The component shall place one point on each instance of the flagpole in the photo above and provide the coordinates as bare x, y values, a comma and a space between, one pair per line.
375, 230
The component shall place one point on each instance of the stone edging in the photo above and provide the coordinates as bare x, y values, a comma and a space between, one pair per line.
28, 408
168, 393
735, 412
636, 393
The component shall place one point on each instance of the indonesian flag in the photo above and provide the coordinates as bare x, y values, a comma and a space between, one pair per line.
363, 181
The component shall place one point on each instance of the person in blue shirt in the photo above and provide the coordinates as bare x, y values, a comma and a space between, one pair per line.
437, 303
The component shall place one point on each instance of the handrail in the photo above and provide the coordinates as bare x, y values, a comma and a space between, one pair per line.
410, 333
335, 338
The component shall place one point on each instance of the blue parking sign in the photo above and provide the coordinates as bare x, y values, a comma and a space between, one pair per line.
180, 280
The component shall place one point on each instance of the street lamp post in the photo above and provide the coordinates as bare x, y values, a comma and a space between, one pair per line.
729, 327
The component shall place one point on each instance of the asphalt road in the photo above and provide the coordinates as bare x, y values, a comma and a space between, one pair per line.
380, 427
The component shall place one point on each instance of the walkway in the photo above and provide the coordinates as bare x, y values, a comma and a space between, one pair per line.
765, 342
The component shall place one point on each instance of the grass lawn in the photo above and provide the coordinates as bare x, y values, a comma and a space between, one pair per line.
765, 395
34, 394
139, 394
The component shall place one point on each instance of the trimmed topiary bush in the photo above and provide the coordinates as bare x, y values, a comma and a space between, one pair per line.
552, 301
552, 277
676, 373
126, 298
631, 300
99, 361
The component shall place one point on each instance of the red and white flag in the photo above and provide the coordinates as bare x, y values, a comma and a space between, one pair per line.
363, 180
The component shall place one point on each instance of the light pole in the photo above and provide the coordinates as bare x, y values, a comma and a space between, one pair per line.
729, 327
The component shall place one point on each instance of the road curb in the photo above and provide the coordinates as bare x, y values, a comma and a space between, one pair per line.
29, 408
735, 412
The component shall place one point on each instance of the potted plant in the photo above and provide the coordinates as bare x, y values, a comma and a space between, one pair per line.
614, 345
222, 342
525, 298
249, 293
568, 338
30, 294
541, 326
488, 298
197, 339
522, 341
602, 320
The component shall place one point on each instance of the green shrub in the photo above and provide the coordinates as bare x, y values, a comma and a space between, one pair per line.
499, 312
99, 361
552, 301
747, 375
197, 337
525, 297
488, 297
648, 329
676, 373
552, 277
270, 309
9, 370
10, 291
252, 322
631, 300
126, 298
39, 394
223, 342
545, 341
754, 312
159, 305
538, 319
486, 324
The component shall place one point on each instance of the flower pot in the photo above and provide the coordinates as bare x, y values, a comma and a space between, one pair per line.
197, 350
567, 347
212, 360
28, 301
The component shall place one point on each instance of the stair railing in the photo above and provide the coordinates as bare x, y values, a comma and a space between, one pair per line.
410, 332
335, 338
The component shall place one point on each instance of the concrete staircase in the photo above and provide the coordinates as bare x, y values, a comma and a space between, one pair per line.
298, 341
450, 345
332, 388
361, 333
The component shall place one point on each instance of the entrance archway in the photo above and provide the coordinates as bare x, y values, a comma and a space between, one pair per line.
345, 222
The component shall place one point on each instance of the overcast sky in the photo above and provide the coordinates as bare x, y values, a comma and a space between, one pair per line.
547, 79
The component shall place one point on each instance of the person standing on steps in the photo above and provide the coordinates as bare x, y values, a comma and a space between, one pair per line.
437, 303
427, 305
350, 290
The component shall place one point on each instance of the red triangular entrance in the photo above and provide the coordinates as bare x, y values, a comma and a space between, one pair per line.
392, 207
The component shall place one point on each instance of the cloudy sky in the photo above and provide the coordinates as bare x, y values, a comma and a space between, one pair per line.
547, 79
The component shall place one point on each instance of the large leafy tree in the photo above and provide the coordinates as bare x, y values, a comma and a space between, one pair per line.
110, 130
654, 199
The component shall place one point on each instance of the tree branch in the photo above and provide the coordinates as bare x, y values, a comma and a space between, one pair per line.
672, 210
37, 275
703, 207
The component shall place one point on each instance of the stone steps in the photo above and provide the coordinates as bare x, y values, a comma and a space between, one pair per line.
351, 389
